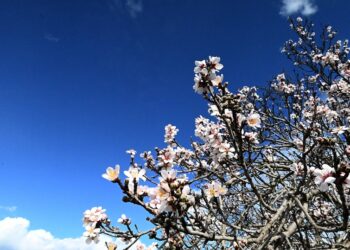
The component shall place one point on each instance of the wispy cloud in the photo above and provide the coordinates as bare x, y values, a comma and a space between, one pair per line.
8, 208
133, 7
304, 7
51, 38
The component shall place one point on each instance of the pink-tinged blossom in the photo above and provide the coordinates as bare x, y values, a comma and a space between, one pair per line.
226, 150
170, 133
201, 67
163, 196
166, 157
168, 175
94, 215
160, 197
134, 174
216, 80
215, 63
112, 174
324, 177
254, 120
159, 193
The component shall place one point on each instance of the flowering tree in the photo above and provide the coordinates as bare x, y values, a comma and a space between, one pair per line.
270, 170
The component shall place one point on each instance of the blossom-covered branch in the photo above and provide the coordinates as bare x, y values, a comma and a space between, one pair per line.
269, 170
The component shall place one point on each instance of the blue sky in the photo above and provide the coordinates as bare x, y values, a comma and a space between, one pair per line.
83, 81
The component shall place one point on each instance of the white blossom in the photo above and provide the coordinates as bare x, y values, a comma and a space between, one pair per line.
112, 174
134, 174
253, 120
94, 215
215, 189
170, 133
324, 177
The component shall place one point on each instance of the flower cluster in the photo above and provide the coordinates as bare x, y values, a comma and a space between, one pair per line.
92, 220
282, 85
170, 133
171, 192
324, 176
214, 189
206, 75
211, 134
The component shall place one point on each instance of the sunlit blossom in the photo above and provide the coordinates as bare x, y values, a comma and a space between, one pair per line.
253, 120
94, 215
215, 63
201, 67
112, 174
134, 174
215, 189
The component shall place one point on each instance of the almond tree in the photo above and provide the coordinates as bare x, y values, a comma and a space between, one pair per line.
269, 170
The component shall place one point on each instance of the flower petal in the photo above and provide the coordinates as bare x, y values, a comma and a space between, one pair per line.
329, 179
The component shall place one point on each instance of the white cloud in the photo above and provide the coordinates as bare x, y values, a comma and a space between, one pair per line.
16, 235
8, 208
304, 7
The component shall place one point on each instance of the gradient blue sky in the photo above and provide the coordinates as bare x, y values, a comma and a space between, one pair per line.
82, 81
